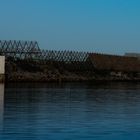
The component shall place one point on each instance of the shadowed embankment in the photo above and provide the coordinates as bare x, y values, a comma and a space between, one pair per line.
26, 62
102, 68
37, 71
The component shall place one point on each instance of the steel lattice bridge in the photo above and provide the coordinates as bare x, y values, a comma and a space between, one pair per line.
19, 49
30, 50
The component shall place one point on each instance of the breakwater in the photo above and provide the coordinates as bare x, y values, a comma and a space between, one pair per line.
25, 61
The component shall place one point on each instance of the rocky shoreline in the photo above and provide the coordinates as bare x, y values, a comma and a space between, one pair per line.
35, 77
52, 71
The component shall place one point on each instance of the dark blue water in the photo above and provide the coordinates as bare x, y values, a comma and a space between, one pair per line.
70, 111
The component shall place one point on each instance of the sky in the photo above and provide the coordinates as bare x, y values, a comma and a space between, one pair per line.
103, 26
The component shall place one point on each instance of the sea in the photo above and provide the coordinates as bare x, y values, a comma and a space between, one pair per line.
70, 111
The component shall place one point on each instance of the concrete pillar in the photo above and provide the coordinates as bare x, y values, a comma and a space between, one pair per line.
2, 68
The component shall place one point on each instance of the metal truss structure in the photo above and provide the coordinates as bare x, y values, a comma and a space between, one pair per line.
31, 50
70, 60
64, 56
19, 49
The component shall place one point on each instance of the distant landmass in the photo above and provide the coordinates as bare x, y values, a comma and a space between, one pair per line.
26, 62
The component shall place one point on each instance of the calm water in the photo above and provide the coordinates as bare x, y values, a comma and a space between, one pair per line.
70, 111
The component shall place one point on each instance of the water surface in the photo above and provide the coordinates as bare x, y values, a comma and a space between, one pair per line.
70, 111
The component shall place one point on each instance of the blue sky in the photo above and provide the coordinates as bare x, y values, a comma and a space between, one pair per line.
107, 26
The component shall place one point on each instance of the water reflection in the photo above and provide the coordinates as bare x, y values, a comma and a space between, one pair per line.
1, 103
71, 111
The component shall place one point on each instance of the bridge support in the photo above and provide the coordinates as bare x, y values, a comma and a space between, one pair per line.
2, 68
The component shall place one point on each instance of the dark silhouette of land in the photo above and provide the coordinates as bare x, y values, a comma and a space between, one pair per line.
26, 62
98, 67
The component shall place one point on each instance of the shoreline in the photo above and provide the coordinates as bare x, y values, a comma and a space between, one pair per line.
73, 81
52, 71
